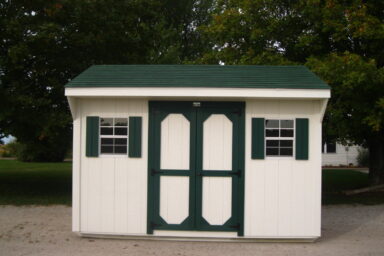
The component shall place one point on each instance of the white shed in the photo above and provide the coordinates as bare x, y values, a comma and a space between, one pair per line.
203, 151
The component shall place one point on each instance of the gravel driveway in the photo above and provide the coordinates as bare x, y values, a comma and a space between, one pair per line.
347, 230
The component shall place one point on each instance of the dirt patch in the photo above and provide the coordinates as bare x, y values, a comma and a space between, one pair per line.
40, 230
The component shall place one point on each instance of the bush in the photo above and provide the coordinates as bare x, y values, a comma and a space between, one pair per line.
363, 157
41, 152
37, 152
10, 150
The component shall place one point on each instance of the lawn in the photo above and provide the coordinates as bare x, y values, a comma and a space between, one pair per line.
335, 181
50, 183
35, 183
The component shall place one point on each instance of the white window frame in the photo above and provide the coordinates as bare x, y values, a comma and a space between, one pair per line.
280, 138
113, 136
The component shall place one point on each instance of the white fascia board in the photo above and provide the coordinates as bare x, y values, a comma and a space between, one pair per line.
72, 106
198, 92
324, 104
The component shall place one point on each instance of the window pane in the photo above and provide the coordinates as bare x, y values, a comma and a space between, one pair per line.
286, 151
272, 152
121, 141
121, 122
286, 123
106, 141
106, 121
121, 131
120, 149
331, 147
106, 131
106, 149
286, 143
272, 133
286, 133
272, 143
272, 123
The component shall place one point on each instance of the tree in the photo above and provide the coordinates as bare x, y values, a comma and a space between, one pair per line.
340, 40
356, 109
45, 43
185, 16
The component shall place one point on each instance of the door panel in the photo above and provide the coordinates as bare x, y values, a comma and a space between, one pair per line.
217, 199
196, 163
175, 138
174, 199
217, 143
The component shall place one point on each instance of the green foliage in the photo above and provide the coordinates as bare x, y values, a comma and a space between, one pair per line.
342, 41
45, 43
292, 31
10, 150
363, 157
35, 183
357, 90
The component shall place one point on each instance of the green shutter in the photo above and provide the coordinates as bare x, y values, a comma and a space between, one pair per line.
258, 138
92, 136
135, 123
302, 138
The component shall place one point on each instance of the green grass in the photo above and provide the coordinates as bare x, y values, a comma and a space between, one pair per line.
35, 183
335, 181
50, 183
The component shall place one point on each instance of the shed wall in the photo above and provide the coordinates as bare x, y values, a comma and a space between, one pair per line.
282, 195
113, 192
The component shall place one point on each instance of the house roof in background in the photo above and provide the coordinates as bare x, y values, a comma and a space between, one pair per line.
211, 76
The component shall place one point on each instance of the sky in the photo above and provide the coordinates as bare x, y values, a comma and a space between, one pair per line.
8, 139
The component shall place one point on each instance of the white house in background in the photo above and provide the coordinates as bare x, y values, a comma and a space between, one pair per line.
206, 151
335, 154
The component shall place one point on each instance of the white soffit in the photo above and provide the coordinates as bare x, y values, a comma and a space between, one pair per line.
198, 92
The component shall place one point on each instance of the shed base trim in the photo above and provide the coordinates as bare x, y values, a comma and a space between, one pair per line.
309, 239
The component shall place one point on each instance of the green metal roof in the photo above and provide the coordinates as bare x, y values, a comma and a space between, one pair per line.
292, 77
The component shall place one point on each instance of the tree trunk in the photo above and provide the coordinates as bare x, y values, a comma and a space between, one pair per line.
376, 161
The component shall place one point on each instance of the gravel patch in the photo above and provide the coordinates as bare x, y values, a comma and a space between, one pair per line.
46, 230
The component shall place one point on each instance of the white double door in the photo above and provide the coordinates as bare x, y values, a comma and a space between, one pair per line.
196, 156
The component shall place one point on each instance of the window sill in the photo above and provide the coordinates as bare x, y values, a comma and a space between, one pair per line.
113, 156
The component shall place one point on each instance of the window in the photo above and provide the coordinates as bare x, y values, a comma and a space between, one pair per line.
113, 135
279, 135
329, 147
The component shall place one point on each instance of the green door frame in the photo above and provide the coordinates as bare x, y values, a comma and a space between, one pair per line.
158, 110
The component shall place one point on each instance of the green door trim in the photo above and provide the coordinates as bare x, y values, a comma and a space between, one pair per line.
157, 112
233, 111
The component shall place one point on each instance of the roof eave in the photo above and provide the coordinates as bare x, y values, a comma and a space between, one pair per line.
201, 92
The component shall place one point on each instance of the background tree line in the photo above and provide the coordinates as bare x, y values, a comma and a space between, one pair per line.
46, 43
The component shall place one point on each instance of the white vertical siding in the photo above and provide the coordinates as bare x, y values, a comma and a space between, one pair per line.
113, 189
283, 195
